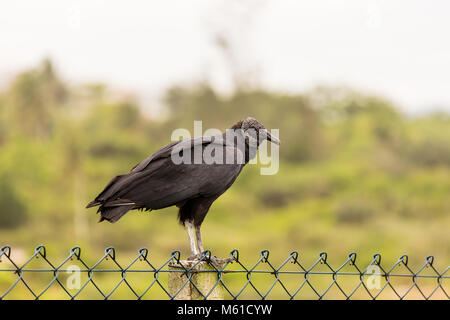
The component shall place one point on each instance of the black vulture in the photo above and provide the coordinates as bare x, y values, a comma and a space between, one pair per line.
190, 174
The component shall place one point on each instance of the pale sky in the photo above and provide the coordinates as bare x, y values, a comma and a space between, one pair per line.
398, 49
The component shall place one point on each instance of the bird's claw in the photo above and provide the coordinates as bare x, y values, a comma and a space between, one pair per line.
214, 260
218, 262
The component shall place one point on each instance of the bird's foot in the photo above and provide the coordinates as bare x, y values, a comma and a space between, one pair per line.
220, 262
213, 259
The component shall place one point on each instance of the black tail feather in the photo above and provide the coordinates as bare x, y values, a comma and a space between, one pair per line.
93, 203
112, 214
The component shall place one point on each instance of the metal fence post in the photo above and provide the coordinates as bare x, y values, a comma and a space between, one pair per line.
194, 281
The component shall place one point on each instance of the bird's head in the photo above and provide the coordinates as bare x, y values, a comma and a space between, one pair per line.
255, 130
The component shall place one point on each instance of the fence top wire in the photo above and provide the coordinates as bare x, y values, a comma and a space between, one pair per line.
263, 266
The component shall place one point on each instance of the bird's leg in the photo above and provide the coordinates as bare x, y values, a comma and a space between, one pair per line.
199, 239
216, 261
190, 230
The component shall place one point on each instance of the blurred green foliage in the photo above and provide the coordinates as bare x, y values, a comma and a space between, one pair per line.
14, 211
356, 174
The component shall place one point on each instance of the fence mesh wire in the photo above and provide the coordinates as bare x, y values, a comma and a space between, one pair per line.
142, 279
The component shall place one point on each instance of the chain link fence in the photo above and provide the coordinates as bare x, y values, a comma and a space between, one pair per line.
76, 277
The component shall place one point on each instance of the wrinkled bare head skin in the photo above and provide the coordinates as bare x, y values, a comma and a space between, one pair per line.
255, 130
252, 123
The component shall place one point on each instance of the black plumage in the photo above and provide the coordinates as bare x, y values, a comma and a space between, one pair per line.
158, 182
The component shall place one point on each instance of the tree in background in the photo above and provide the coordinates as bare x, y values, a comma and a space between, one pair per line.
13, 211
32, 99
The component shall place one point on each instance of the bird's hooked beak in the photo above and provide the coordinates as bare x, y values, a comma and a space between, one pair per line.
272, 138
